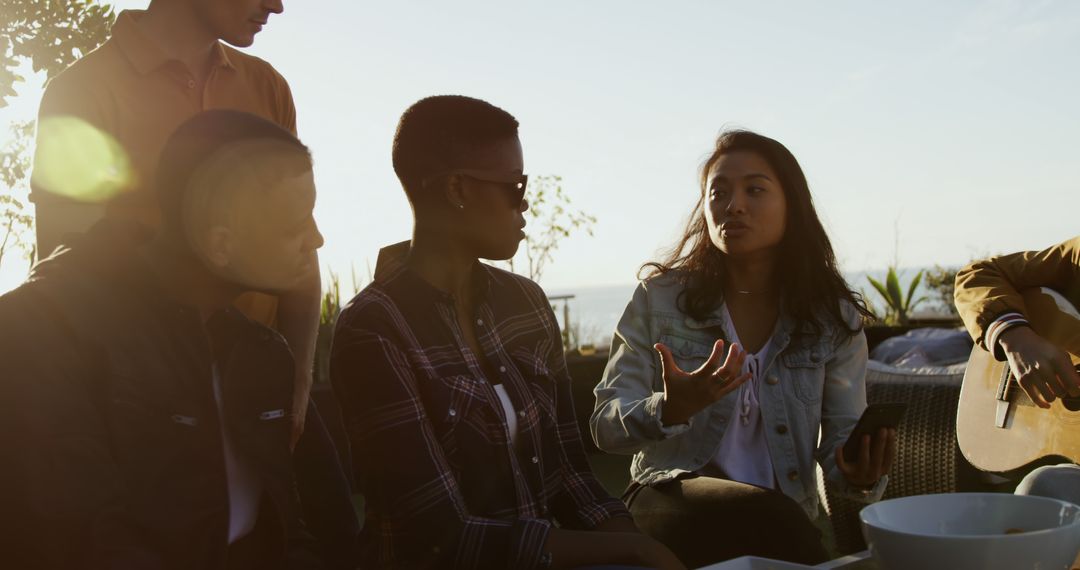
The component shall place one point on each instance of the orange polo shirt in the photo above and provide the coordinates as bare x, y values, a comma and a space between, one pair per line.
132, 91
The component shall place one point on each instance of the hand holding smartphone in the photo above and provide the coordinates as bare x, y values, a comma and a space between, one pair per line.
874, 418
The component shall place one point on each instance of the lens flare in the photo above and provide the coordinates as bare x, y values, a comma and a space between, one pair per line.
77, 160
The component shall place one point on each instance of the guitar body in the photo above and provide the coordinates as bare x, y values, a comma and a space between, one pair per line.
1006, 434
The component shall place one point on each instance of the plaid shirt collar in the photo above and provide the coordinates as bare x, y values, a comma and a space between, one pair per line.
392, 265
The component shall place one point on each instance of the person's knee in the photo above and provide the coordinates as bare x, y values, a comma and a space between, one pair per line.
758, 508
1054, 481
780, 507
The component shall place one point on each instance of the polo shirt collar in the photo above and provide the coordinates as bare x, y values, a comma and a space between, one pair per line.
221, 56
143, 52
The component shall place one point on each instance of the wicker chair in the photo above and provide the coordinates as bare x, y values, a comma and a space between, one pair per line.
928, 459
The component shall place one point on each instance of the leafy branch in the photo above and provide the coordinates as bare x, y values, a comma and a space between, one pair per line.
50, 34
15, 222
553, 220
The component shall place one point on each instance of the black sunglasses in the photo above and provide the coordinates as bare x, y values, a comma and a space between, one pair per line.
514, 181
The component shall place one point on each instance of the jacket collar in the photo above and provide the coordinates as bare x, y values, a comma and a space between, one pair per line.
712, 320
110, 251
716, 319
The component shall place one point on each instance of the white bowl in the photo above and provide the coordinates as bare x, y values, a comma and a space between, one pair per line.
755, 563
961, 531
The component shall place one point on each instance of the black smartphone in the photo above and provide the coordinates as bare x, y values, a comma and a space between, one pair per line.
874, 417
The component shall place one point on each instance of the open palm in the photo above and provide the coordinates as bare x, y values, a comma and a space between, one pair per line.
687, 393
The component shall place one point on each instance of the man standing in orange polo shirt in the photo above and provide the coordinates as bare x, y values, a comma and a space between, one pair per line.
102, 124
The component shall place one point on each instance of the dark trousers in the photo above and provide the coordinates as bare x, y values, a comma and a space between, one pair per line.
254, 551
325, 494
705, 520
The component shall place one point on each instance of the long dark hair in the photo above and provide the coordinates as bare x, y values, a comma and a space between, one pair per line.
810, 283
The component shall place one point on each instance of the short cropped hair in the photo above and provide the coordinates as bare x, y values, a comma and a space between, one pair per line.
433, 131
215, 153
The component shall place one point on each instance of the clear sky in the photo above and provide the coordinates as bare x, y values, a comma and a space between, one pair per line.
955, 122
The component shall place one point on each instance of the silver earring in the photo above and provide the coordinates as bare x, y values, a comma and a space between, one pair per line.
461, 206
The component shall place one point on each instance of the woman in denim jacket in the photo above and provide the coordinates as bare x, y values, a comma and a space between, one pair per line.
724, 445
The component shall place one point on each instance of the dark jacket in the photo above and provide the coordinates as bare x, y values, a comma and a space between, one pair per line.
111, 441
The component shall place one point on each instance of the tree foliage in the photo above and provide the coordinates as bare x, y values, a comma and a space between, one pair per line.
15, 222
941, 281
49, 34
552, 219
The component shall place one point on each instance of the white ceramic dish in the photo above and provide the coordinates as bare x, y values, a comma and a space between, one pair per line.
968, 531
755, 563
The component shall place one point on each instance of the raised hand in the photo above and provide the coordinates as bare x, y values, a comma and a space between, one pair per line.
874, 461
687, 393
1043, 370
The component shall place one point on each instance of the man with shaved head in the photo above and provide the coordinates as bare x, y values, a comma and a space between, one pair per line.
102, 124
145, 419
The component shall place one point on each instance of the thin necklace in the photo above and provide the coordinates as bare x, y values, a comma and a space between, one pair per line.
759, 293
745, 292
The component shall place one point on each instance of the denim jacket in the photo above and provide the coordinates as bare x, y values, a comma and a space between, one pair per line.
810, 383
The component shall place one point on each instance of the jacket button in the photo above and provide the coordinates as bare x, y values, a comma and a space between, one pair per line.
793, 475
815, 358
535, 459
781, 429
772, 380
452, 412
521, 413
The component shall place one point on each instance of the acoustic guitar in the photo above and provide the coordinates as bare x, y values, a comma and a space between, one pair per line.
998, 427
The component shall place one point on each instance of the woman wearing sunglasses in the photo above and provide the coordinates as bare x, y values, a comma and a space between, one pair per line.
452, 379
725, 445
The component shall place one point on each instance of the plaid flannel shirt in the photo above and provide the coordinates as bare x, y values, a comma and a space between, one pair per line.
443, 485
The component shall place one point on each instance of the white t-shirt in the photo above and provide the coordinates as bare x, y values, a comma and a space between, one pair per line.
743, 454
245, 487
511, 416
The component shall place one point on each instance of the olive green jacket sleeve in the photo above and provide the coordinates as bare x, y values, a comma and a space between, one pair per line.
987, 289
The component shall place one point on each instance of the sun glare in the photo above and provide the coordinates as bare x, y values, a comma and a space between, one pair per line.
77, 160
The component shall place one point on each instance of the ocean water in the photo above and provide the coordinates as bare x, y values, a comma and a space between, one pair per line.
595, 310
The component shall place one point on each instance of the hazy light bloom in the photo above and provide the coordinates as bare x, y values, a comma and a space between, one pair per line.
77, 160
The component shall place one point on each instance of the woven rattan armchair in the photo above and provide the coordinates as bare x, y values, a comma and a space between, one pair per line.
928, 459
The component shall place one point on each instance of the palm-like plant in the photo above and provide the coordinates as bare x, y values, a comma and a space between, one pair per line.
329, 310
898, 305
